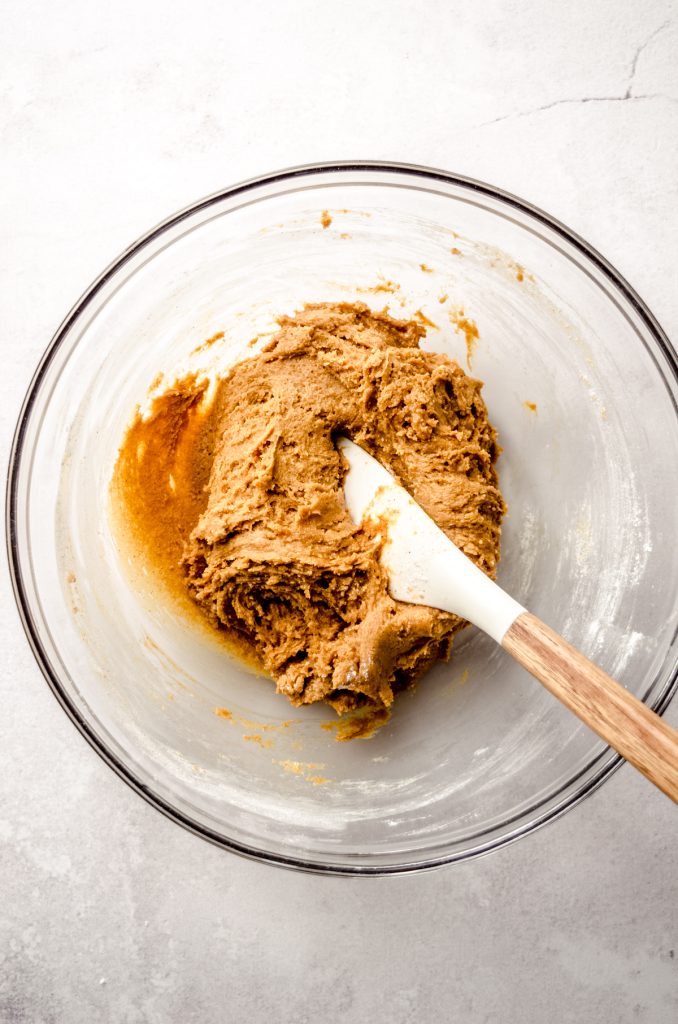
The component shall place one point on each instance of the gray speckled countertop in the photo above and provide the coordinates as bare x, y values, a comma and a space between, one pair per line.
112, 117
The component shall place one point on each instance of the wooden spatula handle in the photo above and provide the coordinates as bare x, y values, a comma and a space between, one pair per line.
618, 717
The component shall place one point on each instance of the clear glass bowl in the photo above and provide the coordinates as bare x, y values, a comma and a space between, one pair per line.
480, 754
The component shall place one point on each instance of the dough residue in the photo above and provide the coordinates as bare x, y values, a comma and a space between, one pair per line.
246, 486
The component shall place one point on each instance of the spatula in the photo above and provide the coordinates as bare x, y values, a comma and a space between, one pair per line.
425, 567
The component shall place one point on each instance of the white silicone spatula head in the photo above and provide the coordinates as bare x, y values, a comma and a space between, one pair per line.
425, 567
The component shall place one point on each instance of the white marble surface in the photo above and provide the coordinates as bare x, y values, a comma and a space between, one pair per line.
111, 117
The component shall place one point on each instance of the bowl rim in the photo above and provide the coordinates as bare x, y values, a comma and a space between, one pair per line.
608, 760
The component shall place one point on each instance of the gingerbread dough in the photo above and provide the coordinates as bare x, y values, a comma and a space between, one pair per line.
274, 557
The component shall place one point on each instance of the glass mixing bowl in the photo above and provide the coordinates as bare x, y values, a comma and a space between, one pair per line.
581, 383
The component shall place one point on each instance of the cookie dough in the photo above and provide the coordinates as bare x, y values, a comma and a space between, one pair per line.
274, 557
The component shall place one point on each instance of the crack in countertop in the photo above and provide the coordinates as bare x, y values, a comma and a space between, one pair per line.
627, 96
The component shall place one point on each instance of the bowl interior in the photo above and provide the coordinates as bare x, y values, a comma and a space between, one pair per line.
479, 752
